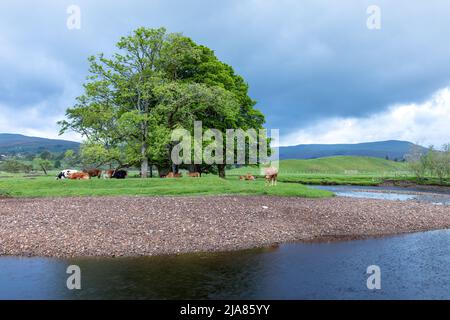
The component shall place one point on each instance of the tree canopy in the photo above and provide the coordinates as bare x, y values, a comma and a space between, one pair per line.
156, 82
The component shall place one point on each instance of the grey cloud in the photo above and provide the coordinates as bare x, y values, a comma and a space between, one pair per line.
304, 60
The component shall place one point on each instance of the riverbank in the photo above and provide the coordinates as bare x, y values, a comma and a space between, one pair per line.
406, 184
136, 226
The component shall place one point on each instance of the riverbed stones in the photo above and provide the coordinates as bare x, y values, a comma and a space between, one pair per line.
136, 226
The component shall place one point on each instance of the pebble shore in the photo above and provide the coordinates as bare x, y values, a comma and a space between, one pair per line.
140, 226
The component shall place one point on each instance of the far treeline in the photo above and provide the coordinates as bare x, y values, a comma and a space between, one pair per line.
431, 164
155, 83
28, 162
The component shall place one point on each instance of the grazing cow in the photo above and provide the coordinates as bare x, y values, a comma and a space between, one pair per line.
93, 173
115, 174
194, 174
174, 175
79, 176
65, 174
271, 176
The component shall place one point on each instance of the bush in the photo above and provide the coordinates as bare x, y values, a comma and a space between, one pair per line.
434, 163
14, 166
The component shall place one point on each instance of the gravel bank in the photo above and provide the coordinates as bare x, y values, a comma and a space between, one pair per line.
133, 226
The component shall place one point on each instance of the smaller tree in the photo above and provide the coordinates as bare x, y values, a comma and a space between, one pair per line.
446, 150
440, 163
43, 164
417, 162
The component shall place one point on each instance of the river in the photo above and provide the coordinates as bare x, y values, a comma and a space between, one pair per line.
414, 266
441, 197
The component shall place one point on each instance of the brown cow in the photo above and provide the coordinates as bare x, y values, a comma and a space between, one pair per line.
271, 176
194, 174
272, 179
174, 175
93, 173
79, 176
247, 177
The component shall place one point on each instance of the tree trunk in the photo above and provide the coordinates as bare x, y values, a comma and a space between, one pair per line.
221, 168
144, 162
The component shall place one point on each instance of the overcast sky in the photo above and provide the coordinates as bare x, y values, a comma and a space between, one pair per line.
318, 73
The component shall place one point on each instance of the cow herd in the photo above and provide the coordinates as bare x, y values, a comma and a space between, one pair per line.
271, 175
91, 173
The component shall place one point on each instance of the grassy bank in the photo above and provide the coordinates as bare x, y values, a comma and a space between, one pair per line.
209, 185
339, 165
345, 170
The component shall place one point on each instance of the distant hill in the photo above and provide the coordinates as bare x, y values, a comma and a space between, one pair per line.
392, 149
17, 143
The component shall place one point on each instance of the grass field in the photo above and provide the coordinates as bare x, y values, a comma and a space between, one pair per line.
336, 170
208, 185
293, 174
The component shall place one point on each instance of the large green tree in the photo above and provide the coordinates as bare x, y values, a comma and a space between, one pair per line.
154, 83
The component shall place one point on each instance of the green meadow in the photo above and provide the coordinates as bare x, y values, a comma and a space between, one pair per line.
336, 170
47, 186
293, 178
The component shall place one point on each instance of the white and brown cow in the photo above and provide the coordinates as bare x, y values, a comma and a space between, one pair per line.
65, 174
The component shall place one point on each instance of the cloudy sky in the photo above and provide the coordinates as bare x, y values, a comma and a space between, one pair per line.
317, 71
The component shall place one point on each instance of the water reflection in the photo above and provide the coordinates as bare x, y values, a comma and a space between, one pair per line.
413, 267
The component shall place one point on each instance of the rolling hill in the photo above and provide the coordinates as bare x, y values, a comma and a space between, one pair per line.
341, 165
344, 165
17, 143
393, 149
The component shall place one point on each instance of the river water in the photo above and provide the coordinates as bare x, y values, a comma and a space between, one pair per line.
441, 197
415, 266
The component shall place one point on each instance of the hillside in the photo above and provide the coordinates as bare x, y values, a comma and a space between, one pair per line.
16, 143
333, 165
392, 149
341, 165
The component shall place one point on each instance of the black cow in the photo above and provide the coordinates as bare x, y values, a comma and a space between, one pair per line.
119, 174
